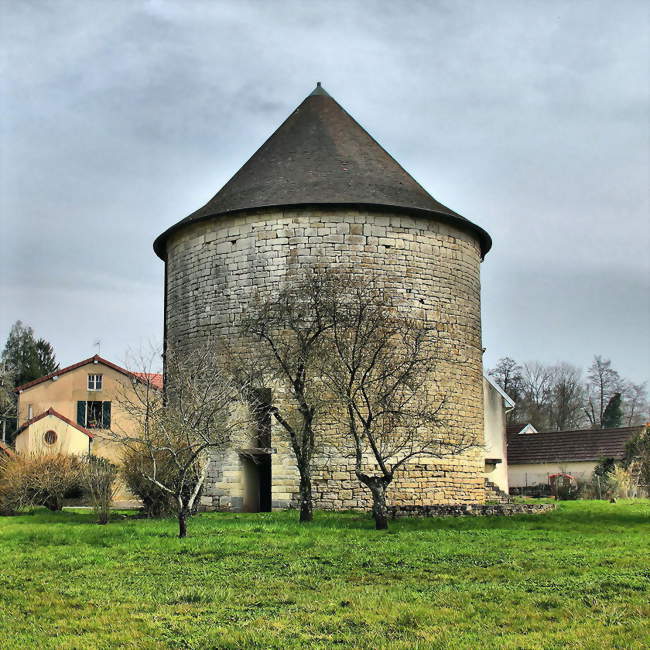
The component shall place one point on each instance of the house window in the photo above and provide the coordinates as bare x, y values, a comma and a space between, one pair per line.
50, 437
94, 415
94, 382
30, 412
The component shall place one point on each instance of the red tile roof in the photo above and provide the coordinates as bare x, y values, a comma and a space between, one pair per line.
56, 414
582, 445
154, 378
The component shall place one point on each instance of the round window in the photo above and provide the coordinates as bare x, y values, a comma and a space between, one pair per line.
50, 437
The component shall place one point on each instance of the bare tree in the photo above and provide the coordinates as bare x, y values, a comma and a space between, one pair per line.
200, 410
636, 409
380, 365
288, 330
99, 476
567, 396
537, 383
508, 374
555, 397
603, 382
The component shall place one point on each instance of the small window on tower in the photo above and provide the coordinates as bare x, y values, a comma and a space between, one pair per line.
261, 405
94, 382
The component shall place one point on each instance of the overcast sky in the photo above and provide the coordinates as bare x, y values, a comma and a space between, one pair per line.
530, 118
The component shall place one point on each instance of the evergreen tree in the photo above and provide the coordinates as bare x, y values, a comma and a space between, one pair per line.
7, 403
23, 359
613, 413
20, 355
46, 357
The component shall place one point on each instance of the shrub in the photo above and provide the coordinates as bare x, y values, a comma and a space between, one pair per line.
10, 498
637, 460
100, 475
621, 483
39, 480
602, 478
587, 489
568, 491
155, 501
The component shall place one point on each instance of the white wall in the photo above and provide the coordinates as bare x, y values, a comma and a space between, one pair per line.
536, 473
494, 426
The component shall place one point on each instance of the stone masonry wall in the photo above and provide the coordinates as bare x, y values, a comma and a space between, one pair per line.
214, 268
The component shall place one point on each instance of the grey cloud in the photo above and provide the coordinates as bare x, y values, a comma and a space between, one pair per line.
120, 118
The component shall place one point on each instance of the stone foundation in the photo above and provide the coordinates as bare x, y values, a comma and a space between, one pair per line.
471, 510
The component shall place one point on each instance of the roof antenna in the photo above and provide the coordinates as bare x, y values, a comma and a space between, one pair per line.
97, 343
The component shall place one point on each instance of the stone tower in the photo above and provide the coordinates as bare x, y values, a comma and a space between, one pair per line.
321, 190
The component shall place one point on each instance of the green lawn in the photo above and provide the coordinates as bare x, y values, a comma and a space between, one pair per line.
578, 578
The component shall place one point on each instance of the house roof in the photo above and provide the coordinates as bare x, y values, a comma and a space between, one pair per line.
509, 402
582, 445
321, 156
154, 378
514, 429
56, 414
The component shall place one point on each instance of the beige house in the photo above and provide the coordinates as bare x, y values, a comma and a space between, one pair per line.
52, 433
534, 457
70, 410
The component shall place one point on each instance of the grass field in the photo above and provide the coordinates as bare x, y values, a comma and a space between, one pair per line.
576, 578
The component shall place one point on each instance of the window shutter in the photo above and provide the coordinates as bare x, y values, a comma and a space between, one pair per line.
106, 415
81, 413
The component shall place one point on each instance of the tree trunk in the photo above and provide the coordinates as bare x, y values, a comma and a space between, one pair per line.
54, 503
182, 522
306, 505
377, 486
379, 509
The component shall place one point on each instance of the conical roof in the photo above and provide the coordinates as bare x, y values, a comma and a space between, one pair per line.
321, 156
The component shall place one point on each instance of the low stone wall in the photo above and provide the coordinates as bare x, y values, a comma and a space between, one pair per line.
471, 510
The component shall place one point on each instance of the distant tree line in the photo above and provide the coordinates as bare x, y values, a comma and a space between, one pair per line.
562, 397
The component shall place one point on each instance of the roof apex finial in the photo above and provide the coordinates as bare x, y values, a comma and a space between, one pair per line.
319, 90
